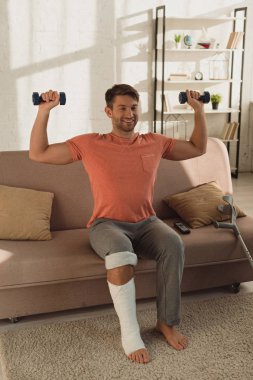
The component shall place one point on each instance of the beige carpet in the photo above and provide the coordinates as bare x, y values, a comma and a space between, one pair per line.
221, 347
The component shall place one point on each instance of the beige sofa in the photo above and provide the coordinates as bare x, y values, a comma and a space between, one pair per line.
64, 273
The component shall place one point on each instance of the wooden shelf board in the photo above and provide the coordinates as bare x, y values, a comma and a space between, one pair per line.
223, 18
200, 50
187, 111
198, 81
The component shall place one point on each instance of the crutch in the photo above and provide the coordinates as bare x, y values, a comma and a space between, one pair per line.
229, 209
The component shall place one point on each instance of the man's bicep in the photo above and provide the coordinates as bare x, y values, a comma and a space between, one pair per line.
183, 150
58, 154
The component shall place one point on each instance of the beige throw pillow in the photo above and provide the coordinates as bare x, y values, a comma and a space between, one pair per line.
25, 214
198, 206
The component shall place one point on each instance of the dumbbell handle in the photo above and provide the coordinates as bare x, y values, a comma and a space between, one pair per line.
37, 99
205, 98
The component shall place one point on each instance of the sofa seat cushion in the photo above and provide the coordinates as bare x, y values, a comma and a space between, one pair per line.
67, 257
211, 245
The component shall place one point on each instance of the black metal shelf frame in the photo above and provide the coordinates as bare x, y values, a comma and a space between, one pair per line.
159, 10
236, 11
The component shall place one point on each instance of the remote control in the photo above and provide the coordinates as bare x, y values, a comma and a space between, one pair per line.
182, 228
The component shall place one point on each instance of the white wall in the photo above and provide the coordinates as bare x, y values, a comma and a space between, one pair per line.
83, 47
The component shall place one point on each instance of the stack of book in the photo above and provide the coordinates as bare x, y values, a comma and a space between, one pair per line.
234, 40
229, 131
178, 76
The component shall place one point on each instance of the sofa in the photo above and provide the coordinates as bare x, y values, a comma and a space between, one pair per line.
64, 272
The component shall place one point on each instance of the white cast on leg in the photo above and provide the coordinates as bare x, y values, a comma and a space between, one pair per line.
123, 297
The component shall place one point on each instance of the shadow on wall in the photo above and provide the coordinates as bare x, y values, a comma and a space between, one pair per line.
101, 74
135, 33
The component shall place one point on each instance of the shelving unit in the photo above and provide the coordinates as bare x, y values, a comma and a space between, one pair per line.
232, 84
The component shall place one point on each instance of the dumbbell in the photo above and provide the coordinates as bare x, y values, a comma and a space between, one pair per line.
205, 98
37, 99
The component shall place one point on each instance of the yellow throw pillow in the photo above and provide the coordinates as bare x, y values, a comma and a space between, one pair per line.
198, 206
25, 214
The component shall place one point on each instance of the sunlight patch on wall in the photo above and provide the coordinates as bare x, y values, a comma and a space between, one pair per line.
65, 121
43, 30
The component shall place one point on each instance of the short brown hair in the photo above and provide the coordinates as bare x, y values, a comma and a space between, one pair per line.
120, 89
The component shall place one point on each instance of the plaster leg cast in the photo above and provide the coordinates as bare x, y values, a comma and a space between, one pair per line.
124, 301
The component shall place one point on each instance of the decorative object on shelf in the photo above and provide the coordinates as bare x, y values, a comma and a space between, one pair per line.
188, 41
212, 43
176, 128
215, 100
219, 67
204, 40
198, 75
203, 45
177, 39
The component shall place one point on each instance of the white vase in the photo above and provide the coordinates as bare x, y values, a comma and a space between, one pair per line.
178, 45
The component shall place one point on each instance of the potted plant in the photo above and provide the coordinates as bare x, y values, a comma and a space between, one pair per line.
215, 99
177, 39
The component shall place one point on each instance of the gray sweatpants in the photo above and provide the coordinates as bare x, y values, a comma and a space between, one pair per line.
120, 243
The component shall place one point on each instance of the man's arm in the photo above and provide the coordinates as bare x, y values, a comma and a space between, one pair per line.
196, 146
40, 150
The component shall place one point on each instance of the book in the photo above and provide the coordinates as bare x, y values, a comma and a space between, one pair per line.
234, 40
233, 130
166, 103
229, 131
225, 130
230, 128
238, 40
230, 40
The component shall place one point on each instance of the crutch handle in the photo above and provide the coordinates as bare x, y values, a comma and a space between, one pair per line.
223, 225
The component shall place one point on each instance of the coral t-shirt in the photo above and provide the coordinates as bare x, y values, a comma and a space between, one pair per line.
121, 171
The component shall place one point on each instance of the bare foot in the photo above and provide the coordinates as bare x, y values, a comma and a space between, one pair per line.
140, 356
172, 336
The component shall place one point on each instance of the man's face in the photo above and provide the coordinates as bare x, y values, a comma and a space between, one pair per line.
124, 113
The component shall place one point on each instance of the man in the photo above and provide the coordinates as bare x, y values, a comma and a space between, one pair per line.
122, 168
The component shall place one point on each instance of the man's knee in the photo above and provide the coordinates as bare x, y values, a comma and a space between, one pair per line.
172, 247
178, 243
120, 275
119, 267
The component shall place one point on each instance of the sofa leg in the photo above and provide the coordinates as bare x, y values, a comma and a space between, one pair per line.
14, 319
235, 288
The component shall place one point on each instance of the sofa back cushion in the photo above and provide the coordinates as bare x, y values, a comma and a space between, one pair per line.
178, 176
73, 202
25, 213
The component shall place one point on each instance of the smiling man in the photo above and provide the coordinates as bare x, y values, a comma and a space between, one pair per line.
122, 168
